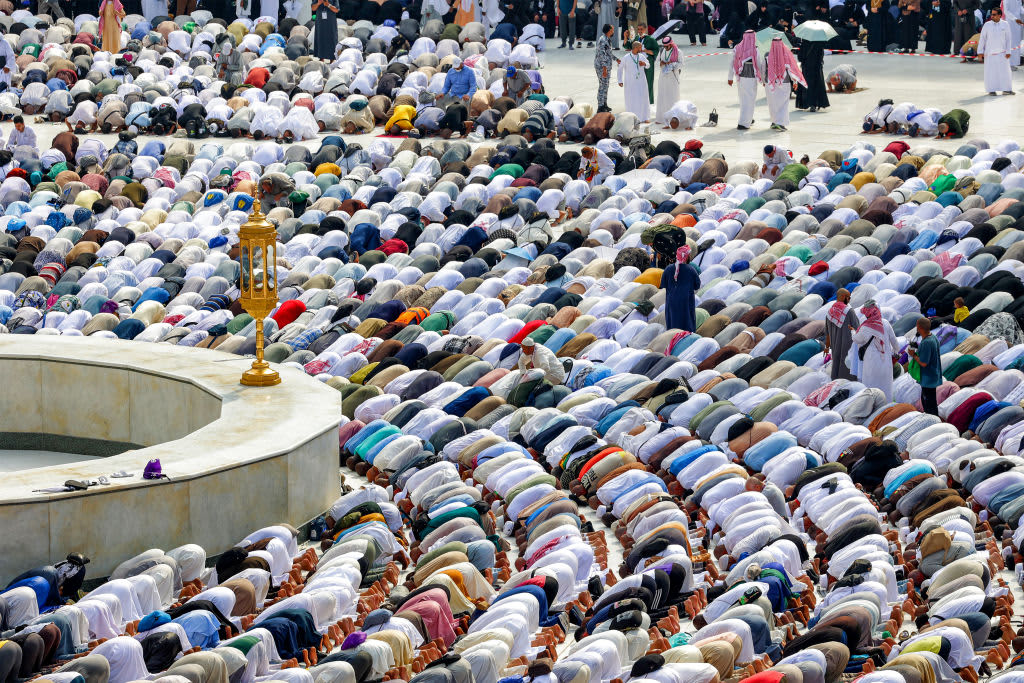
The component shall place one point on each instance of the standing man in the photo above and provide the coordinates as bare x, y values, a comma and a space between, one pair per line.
840, 323
649, 47
603, 57
928, 357
680, 282
608, 14
910, 18
633, 79
567, 21
963, 23
1014, 15
996, 43
325, 33
783, 71
746, 66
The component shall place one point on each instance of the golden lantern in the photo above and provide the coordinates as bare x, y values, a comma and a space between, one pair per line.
257, 252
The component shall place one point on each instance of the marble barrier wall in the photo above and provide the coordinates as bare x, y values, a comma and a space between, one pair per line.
237, 458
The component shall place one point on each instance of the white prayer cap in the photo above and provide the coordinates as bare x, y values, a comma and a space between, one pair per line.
456, 62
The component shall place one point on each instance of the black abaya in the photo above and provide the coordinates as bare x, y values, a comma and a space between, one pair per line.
939, 25
325, 33
812, 63
877, 24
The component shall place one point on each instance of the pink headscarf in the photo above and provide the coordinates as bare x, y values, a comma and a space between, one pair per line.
682, 254
780, 60
747, 49
872, 317
118, 9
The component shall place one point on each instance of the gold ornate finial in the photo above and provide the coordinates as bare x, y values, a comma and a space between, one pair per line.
256, 194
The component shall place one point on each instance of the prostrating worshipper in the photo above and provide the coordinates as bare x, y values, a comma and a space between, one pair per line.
874, 346
745, 69
840, 324
670, 73
843, 78
812, 96
782, 72
996, 43
953, 124
682, 114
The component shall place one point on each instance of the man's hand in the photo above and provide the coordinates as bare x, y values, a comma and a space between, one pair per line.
730, 81
465, 98
604, 72
572, 14
620, 85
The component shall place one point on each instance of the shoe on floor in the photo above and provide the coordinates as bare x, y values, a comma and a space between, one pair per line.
742, 127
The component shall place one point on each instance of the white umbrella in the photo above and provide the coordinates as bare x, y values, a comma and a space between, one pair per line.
815, 30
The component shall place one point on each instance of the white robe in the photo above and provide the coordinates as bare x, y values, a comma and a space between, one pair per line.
995, 43
668, 88
151, 9
778, 101
748, 94
7, 52
1012, 11
683, 110
876, 368
633, 78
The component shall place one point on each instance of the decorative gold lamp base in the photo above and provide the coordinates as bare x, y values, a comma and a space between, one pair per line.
260, 375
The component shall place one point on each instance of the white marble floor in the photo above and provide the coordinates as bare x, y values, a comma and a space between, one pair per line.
941, 82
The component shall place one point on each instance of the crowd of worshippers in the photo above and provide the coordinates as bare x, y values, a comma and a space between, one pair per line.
544, 354
201, 78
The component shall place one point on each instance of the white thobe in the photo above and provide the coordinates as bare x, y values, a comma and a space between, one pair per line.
668, 89
778, 101
996, 43
684, 111
633, 78
1012, 11
151, 9
748, 94
876, 368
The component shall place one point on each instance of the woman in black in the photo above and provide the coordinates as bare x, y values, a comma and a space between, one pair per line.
812, 63
938, 27
877, 24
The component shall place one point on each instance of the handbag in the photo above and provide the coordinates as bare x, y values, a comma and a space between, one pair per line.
914, 369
